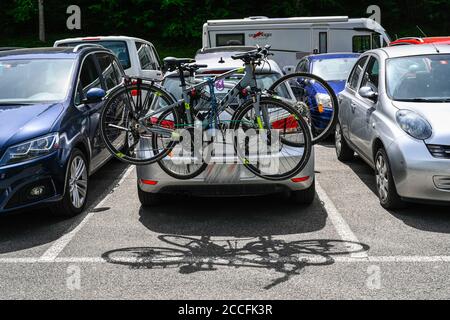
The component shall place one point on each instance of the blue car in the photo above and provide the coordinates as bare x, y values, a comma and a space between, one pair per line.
334, 68
50, 142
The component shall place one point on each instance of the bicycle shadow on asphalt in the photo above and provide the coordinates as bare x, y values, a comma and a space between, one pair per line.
238, 217
203, 235
32, 228
426, 217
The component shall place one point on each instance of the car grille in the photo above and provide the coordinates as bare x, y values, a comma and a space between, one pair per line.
439, 151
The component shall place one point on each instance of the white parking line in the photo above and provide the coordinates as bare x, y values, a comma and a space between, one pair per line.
58, 246
316, 260
342, 228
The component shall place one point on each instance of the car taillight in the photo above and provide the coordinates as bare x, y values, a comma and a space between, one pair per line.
287, 123
298, 180
149, 182
164, 123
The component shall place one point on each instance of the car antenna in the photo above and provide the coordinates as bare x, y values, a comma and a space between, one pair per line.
435, 47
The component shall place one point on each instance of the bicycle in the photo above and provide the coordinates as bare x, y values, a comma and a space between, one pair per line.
322, 115
142, 123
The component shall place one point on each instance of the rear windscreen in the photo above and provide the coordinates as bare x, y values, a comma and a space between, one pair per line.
119, 48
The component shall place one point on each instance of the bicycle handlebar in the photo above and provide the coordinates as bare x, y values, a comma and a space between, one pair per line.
258, 53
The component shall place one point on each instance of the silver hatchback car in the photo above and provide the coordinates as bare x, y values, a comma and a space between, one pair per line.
394, 112
224, 178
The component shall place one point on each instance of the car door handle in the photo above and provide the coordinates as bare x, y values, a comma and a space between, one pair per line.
353, 106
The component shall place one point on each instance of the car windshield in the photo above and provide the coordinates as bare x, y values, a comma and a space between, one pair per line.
119, 48
419, 78
264, 81
35, 80
333, 69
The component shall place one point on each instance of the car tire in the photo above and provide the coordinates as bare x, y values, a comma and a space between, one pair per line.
343, 151
148, 199
387, 192
305, 197
69, 206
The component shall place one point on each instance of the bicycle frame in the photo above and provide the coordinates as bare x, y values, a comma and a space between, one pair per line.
248, 80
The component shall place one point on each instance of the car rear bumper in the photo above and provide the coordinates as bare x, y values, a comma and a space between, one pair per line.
221, 180
16, 182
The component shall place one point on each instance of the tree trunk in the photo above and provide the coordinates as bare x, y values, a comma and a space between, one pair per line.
41, 21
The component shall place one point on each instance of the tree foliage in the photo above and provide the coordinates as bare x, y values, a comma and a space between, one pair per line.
181, 21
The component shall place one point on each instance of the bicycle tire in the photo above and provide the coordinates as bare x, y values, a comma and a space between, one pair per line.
333, 98
112, 98
177, 175
307, 145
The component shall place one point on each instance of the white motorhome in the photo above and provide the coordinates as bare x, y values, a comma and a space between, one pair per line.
293, 38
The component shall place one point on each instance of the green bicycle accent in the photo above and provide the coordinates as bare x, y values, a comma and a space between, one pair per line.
120, 155
260, 123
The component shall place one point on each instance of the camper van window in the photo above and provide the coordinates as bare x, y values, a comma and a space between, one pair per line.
323, 42
234, 39
362, 43
376, 41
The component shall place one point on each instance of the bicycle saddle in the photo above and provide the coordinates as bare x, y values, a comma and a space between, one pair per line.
177, 61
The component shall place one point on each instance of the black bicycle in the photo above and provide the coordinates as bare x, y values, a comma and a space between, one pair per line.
142, 123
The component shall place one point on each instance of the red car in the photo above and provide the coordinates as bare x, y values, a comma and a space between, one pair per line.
407, 41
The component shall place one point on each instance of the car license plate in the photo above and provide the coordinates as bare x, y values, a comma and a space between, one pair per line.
223, 173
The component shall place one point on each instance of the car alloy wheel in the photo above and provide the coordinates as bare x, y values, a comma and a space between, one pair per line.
78, 182
382, 178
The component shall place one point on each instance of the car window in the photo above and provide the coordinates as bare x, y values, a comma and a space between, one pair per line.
109, 72
355, 75
302, 66
89, 78
157, 58
419, 78
119, 48
35, 80
333, 69
264, 81
145, 56
372, 74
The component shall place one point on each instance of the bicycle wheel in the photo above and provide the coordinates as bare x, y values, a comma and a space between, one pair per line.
279, 151
317, 95
130, 121
185, 160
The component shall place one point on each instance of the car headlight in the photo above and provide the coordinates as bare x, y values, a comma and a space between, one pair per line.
323, 101
414, 125
31, 149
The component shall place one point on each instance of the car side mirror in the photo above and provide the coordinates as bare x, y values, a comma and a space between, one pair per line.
94, 95
368, 93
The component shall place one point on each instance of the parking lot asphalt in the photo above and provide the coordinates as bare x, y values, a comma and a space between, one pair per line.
344, 246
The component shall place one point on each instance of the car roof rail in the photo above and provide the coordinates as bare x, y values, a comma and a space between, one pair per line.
86, 45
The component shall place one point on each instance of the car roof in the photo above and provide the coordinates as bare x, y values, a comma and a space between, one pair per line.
214, 57
100, 38
418, 40
225, 49
326, 56
404, 51
54, 53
